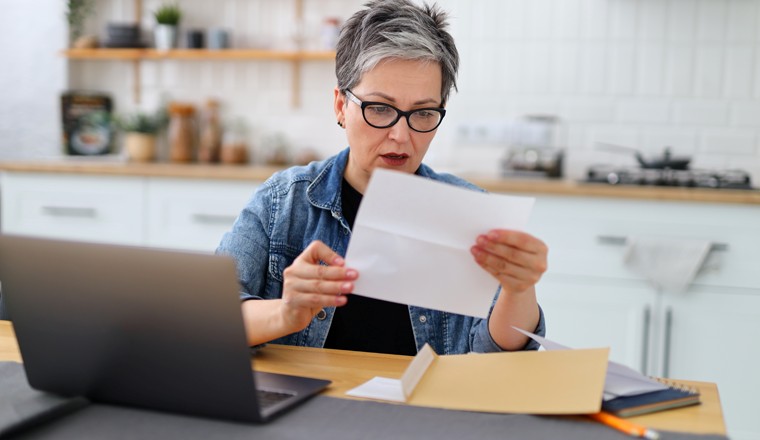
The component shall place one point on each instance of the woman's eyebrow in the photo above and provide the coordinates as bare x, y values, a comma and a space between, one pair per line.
392, 100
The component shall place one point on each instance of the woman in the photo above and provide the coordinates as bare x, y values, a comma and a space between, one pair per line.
395, 66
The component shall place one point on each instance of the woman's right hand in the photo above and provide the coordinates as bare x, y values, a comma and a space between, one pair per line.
309, 286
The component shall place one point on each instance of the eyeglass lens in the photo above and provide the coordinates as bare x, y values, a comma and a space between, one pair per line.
384, 116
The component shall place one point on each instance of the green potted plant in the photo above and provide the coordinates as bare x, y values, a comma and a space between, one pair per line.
76, 14
167, 21
141, 130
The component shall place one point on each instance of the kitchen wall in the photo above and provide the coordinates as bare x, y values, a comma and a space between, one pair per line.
31, 77
642, 73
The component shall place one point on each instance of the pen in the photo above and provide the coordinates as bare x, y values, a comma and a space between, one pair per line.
625, 426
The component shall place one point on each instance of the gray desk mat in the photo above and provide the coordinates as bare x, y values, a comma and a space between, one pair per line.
319, 418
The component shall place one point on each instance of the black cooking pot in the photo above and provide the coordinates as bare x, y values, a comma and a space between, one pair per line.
665, 161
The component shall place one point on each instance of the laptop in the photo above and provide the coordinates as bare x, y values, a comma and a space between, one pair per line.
141, 327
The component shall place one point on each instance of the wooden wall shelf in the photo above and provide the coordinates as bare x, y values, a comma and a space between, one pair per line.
139, 55
198, 54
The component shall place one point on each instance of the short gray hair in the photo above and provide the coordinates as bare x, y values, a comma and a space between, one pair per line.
395, 29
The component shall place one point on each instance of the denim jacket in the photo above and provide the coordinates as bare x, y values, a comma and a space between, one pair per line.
301, 204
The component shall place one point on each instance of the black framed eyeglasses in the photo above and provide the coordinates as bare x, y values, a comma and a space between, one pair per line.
382, 115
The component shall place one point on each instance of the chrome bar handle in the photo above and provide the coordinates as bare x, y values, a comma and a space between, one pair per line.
667, 342
70, 211
645, 342
620, 240
214, 219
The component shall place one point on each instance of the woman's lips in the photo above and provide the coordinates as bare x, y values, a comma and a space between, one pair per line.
395, 160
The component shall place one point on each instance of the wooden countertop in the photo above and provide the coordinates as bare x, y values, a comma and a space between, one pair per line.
348, 369
493, 184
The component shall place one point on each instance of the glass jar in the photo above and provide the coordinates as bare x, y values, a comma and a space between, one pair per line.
182, 132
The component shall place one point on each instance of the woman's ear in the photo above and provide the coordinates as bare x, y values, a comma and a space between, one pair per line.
339, 105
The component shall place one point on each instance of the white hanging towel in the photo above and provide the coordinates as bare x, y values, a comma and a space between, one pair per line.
670, 264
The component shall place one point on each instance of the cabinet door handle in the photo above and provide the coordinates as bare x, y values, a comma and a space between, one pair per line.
69, 211
620, 240
645, 342
214, 219
667, 342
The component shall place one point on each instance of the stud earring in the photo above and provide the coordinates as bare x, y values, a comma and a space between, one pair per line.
340, 124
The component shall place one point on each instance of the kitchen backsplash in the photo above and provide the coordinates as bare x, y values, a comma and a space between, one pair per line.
641, 73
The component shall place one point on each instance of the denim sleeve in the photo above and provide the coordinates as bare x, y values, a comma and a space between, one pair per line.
248, 243
482, 342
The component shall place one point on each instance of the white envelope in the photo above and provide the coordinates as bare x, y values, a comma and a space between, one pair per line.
412, 238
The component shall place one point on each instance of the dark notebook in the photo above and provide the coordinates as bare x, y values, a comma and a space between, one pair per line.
675, 396
23, 407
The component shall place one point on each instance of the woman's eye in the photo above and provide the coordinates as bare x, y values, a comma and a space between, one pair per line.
380, 109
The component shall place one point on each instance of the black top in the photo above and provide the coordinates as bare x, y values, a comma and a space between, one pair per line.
368, 324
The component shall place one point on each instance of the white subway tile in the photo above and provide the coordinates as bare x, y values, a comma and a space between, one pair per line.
742, 20
512, 68
650, 69
622, 58
512, 19
567, 19
595, 19
709, 70
539, 19
745, 113
655, 111
565, 69
729, 142
739, 71
623, 18
588, 110
538, 66
679, 74
711, 20
652, 20
702, 112
594, 68
682, 20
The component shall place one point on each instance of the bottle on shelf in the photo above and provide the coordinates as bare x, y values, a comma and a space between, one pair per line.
182, 132
210, 146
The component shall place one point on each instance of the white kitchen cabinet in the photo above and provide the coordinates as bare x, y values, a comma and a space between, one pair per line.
185, 214
88, 208
192, 214
706, 333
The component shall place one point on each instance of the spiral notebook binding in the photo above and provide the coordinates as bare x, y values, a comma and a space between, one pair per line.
677, 385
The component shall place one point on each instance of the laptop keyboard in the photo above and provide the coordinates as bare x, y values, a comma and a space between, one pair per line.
269, 398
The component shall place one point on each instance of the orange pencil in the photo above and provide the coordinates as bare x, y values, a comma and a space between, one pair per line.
625, 426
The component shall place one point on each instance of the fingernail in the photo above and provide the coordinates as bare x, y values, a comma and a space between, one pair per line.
338, 261
493, 235
346, 287
352, 274
481, 240
340, 300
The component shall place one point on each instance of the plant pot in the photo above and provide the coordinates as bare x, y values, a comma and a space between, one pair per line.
140, 147
165, 36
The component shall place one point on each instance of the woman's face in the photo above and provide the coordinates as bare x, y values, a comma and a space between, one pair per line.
406, 85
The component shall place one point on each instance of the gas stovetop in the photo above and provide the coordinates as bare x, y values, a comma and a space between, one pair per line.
726, 179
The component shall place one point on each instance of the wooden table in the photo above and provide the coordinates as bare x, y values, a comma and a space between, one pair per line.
348, 369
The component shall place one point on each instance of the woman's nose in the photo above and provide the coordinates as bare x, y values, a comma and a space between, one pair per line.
400, 132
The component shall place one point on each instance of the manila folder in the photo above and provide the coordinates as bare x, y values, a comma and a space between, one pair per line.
531, 382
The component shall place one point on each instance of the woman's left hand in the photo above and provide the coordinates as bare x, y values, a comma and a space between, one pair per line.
515, 258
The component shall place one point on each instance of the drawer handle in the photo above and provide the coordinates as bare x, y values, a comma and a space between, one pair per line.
618, 240
214, 219
70, 211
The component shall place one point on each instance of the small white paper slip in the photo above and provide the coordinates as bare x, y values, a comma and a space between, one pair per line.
397, 390
620, 380
412, 238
